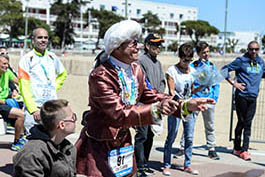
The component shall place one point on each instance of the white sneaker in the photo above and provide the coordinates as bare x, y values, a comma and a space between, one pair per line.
166, 172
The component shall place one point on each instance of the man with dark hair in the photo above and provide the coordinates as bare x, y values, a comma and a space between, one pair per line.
47, 152
41, 74
8, 112
154, 76
203, 52
249, 70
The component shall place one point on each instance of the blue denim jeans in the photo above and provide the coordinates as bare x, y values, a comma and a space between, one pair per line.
173, 125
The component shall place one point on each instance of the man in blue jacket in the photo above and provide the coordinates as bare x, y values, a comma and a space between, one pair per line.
249, 70
203, 52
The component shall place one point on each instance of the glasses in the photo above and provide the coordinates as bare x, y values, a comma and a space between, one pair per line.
187, 60
156, 46
252, 49
4, 53
73, 118
42, 37
133, 43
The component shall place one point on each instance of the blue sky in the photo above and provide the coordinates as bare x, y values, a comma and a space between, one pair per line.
243, 15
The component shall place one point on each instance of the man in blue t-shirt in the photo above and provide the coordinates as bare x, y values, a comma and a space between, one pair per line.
249, 70
203, 51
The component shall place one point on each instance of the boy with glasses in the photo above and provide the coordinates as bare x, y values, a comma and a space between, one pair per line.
249, 70
152, 68
47, 152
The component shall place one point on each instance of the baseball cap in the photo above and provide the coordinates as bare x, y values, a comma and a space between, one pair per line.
153, 38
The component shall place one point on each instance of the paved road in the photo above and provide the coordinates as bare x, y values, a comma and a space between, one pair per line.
228, 166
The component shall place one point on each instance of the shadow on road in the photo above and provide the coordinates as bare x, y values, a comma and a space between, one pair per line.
250, 173
5, 145
8, 169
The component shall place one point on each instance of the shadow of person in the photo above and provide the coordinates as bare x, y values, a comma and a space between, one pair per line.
8, 169
5, 145
249, 173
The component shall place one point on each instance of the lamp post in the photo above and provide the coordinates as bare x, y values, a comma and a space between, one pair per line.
26, 26
225, 26
81, 25
126, 9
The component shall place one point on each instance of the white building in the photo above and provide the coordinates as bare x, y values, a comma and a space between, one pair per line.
243, 37
169, 14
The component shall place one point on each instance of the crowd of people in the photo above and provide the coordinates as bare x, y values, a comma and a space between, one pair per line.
125, 90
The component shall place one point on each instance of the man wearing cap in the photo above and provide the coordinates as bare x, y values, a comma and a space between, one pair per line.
116, 87
154, 75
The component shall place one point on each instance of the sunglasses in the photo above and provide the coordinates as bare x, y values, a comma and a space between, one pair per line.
3, 53
42, 37
73, 118
133, 43
252, 49
187, 60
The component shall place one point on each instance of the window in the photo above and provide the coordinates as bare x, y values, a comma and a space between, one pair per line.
114, 8
180, 16
102, 7
171, 15
138, 11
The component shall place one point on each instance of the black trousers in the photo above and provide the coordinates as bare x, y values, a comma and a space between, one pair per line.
245, 109
143, 144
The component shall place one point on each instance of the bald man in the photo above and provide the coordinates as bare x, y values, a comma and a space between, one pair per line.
40, 74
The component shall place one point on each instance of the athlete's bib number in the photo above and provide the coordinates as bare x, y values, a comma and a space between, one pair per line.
121, 161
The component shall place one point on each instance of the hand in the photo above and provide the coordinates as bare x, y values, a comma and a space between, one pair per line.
167, 106
36, 115
239, 86
199, 104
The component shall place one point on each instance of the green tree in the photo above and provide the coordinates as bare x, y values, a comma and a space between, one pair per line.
232, 43
198, 29
10, 15
173, 46
105, 19
263, 41
66, 12
152, 24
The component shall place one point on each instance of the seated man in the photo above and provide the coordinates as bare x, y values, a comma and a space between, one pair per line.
7, 111
47, 152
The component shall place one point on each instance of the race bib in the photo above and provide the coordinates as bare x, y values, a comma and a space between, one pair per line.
121, 161
45, 93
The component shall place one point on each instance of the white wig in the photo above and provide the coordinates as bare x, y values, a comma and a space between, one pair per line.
120, 32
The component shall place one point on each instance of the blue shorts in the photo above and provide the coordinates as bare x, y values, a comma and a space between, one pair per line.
5, 110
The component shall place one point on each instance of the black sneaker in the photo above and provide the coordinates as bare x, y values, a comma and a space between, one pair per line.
180, 152
148, 170
213, 155
141, 173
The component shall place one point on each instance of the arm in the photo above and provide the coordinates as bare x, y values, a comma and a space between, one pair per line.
25, 90
60, 71
27, 164
60, 79
233, 66
171, 85
163, 81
